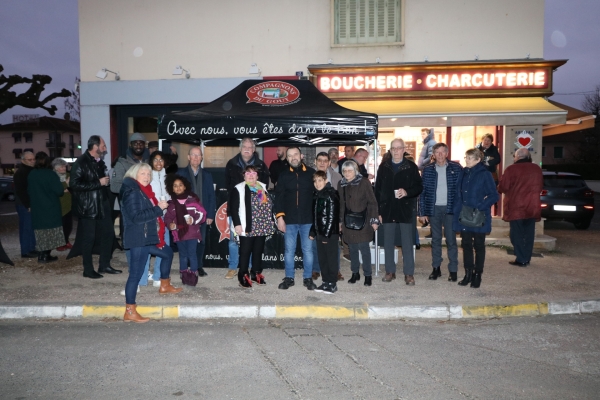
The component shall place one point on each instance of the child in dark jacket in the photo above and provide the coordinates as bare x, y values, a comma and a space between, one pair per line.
183, 218
326, 231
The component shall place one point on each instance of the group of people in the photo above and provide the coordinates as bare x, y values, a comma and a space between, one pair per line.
334, 204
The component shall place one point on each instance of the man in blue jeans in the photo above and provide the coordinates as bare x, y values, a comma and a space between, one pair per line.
293, 210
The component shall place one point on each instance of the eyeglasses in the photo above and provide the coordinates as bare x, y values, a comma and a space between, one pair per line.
250, 173
158, 160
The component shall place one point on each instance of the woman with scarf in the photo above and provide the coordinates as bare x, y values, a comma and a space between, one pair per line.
356, 195
251, 210
157, 162
60, 167
475, 188
143, 234
183, 218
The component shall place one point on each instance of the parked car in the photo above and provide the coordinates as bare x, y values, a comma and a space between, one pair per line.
7, 188
567, 197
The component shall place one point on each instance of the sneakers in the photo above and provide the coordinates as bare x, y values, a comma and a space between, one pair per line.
327, 288
258, 278
309, 284
245, 282
62, 248
150, 277
231, 274
156, 283
287, 283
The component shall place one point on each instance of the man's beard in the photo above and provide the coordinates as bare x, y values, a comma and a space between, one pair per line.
137, 151
297, 163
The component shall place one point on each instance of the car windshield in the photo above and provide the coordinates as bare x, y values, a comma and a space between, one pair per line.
564, 181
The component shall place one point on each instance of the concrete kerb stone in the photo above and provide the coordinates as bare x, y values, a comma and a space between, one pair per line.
373, 312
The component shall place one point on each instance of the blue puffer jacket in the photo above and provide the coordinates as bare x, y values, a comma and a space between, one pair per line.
139, 216
475, 188
430, 180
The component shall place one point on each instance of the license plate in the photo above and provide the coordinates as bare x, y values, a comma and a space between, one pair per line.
565, 208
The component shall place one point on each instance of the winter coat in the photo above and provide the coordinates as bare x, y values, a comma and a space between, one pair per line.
89, 197
158, 184
475, 188
45, 190
430, 180
357, 195
122, 166
521, 184
234, 172
427, 150
20, 181
240, 206
491, 157
391, 209
139, 216
326, 212
294, 194
209, 200
275, 169
195, 210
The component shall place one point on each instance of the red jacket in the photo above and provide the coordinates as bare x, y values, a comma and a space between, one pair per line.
521, 184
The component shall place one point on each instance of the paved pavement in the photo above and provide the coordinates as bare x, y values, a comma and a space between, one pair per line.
566, 280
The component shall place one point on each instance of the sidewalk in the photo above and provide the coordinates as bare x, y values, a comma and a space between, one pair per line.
553, 284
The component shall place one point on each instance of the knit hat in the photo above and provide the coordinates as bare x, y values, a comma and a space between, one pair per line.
137, 136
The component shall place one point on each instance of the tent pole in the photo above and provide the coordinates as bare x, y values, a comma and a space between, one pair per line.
375, 151
202, 148
160, 144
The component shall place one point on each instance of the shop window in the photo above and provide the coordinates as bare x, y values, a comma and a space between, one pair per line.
17, 137
543, 151
558, 152
367, 22
28, 137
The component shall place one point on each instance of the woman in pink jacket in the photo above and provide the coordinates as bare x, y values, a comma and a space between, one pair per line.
183, 218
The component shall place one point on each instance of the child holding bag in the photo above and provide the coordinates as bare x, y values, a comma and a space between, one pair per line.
183, 218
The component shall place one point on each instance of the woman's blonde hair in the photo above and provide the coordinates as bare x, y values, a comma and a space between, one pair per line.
475, 153
133, 171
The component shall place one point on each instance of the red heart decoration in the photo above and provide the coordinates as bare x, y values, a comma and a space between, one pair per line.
524, 141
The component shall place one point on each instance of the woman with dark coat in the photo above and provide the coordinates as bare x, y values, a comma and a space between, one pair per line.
45, 191
356, 194
491, 156
475, 188
143, 234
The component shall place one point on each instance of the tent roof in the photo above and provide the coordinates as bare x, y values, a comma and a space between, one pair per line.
278, 112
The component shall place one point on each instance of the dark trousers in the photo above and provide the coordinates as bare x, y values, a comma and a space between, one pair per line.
137, 263
200, 246
473, 243
438, 220
407, 237
251, 245
329, 256
26, 235
365, 252
187, 252
102, 230
522, 235
67, 224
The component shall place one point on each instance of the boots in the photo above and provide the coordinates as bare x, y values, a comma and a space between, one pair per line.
436, 273
355, 277
166, 287
132, 315
476, 281
44, 257
368, 280
467, 278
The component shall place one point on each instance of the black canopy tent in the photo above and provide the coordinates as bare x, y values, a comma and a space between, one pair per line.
274, 112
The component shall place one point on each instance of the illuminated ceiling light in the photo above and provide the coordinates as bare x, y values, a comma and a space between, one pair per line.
393, 119
104, 72
179, 70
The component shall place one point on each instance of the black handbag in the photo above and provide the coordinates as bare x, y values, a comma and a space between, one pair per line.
471, 217
354, 220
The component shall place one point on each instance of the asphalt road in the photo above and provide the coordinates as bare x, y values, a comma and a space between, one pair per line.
529, 358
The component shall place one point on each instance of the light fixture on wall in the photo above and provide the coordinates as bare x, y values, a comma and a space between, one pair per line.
378, 60
254, 70
104, 72
180, 70
330, 61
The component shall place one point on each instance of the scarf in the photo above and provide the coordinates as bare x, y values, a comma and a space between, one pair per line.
353, 182
62, 177
147, 190
196, 181
260, 193
180, 212
243, 164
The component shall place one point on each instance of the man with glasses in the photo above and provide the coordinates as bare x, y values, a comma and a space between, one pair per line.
397, 187
234, 175
26, 235
435, 207
202, 186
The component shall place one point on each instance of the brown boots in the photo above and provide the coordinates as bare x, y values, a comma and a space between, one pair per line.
166, 287
132, 315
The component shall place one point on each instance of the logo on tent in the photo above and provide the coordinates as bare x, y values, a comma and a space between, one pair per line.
273, 93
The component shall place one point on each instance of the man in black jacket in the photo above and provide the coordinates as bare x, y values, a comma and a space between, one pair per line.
234, 174
397, 187
293, 210
90, 186
278, 165
26, 235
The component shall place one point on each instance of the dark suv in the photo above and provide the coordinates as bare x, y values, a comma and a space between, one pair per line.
567, 197
7, 188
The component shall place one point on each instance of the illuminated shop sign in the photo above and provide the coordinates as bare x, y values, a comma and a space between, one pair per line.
434, 81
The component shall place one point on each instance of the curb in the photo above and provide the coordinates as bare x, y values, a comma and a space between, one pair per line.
364, 312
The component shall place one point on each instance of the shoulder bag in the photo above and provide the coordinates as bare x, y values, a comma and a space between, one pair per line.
471, 217
354, 220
